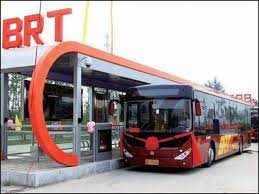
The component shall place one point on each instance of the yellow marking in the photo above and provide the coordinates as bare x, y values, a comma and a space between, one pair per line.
17, 123
85, 30
224, 144
111, 19
151, 162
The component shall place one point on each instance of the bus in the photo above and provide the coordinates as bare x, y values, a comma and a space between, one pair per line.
182, 126
254, 122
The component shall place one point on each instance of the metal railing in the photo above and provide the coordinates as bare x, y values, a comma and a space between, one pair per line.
25, 138
19, 142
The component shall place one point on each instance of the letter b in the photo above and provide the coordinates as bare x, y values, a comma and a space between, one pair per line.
8, 32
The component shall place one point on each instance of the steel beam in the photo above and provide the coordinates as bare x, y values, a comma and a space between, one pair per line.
77, 107
4, 112
91, 111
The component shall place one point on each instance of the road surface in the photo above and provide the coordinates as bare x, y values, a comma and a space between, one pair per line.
237, 173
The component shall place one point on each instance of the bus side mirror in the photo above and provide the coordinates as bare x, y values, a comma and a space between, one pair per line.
197, 108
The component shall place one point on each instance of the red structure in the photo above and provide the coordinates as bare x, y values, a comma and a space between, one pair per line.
29, 31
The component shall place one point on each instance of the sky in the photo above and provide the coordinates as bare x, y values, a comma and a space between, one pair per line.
193, 40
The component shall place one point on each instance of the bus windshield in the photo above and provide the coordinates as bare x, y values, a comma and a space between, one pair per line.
159, 115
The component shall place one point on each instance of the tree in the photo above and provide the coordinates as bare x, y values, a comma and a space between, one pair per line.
15, 95
215, 84
85, 113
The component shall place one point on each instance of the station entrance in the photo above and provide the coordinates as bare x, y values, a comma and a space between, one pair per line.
98, 81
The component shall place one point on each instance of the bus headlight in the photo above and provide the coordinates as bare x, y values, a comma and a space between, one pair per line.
183, 155
127, 154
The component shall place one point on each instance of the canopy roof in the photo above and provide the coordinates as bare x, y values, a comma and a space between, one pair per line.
115, 69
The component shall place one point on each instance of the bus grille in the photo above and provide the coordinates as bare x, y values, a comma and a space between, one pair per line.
170, 144
174, 143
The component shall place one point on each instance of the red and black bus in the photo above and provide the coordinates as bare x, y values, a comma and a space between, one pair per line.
254, 122
182, 126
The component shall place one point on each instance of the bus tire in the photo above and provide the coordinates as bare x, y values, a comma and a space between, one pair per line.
124, 164
241, 146
211, 156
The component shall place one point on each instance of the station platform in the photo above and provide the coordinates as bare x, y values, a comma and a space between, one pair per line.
25, 171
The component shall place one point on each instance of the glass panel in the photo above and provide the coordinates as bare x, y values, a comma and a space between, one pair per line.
160, 115
100, 108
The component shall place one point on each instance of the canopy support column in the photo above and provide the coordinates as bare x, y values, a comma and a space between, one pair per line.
91, 111
4, 113
77, 98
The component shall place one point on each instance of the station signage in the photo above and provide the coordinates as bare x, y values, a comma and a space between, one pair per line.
244, 97
21, 31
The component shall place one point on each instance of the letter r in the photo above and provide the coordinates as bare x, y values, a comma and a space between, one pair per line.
34, 32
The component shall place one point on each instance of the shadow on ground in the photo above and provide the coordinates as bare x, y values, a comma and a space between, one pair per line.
155, 169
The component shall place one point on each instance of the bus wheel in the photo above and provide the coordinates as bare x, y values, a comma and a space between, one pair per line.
241, 146
124, 163
211, 156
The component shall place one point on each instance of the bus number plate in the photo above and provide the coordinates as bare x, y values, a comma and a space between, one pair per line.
151, 162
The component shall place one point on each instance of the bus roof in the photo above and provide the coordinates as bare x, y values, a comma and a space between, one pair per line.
217, 93
199, 88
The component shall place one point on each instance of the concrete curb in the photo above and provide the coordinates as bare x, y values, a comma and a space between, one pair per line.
46, 177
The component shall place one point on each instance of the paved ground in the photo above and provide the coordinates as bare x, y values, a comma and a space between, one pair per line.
238, 173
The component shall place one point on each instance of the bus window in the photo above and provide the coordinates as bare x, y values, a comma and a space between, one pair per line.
132, 115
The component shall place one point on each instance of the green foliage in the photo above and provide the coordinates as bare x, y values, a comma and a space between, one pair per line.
215, 84
85, 113
15, 95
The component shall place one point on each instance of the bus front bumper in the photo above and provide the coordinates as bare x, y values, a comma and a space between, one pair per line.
160, 158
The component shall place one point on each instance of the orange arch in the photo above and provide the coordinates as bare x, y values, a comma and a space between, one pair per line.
37, 85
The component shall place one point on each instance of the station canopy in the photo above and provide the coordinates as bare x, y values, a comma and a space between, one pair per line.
99, 68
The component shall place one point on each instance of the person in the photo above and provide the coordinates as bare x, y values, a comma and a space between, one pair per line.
185, 122
160, 123
9, 123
